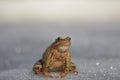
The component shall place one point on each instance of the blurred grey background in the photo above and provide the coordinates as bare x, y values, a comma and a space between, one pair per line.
28, 27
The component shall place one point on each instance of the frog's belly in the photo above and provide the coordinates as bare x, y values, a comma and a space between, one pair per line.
56, 66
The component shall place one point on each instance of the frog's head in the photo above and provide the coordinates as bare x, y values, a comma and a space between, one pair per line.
62, 44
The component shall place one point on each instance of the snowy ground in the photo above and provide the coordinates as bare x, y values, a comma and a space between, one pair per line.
88, 70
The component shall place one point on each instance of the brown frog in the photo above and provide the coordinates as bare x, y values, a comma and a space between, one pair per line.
56, 58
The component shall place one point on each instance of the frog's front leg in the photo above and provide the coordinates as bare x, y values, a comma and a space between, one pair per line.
45, 71
46, 74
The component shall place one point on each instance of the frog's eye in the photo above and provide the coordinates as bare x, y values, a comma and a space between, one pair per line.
68, 38
59, 38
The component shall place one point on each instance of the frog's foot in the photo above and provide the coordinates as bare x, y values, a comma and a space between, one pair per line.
37, 68
47, 75
73, 69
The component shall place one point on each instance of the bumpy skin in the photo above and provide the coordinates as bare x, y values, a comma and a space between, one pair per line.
56, 58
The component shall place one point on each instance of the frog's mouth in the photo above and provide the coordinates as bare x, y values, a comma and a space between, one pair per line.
63, 48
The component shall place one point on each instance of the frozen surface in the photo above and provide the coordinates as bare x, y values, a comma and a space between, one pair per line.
88, 70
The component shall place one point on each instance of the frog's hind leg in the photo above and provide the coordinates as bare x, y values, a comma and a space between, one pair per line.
73, 68
37, 68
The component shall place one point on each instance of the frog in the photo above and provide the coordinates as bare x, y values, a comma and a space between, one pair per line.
56, 58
